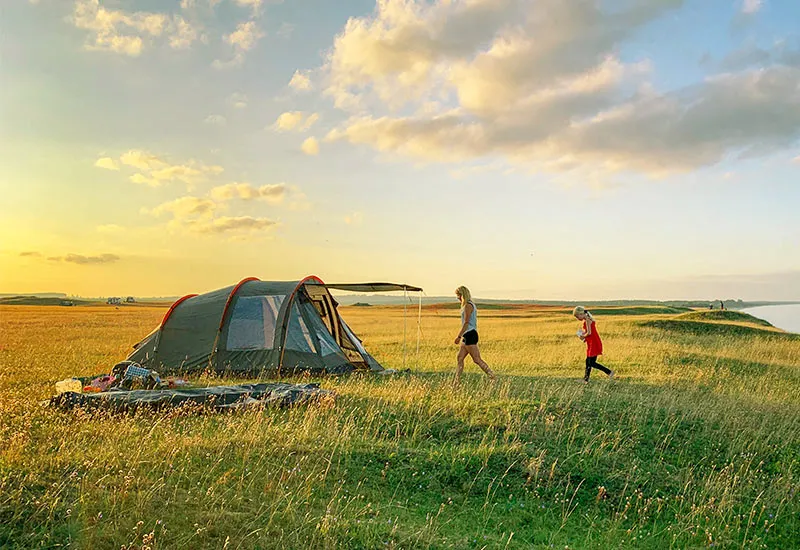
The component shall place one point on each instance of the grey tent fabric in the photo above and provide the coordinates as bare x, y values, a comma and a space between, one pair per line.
256, 328
214, 397
373, 287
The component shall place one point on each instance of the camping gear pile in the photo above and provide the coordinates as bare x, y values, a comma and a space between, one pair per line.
126, 375
130, 387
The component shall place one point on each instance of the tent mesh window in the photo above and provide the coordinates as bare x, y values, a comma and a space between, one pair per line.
253, 322
299, 336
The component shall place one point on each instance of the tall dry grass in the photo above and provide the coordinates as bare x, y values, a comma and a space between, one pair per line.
696, 445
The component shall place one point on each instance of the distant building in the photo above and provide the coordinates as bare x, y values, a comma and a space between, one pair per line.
130, 300
114, 301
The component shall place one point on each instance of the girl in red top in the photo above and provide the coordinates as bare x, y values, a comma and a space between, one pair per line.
594, 346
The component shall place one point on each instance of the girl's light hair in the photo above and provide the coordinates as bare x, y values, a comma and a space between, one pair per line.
578, 309
465, 295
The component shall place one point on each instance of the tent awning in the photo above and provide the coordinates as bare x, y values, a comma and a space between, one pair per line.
374, 287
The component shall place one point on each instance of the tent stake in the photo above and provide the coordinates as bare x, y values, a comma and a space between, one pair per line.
419, 325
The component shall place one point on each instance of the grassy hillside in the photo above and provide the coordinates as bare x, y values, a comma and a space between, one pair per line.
696, 444
724, 316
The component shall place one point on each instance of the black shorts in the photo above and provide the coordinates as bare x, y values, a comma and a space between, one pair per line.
470, 338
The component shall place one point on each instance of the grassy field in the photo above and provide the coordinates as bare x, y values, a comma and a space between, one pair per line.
697, 444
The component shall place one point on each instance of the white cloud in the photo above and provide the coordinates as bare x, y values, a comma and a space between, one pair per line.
160, 172
142, 160
310, 146
197, 215
226, 224
81, 259
752, 6
238, 100
254, 5
185, 208
295, 121
539, 82
126, 32
108, 163
300, 81
243, 39
216, 120
271, 193
183, 35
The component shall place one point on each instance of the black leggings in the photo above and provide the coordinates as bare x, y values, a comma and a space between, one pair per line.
591, 362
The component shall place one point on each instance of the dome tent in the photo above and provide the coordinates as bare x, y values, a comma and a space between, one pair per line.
259, 327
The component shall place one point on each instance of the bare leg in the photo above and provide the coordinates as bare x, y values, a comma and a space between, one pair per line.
475, 353
462, 354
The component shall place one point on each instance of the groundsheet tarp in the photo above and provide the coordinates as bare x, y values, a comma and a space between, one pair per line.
214, 397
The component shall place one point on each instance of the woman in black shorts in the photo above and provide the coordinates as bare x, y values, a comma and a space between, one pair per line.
468, 335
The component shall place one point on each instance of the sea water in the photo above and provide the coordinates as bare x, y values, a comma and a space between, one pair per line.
786, 317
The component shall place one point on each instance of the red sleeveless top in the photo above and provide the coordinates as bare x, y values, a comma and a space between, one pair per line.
594, 346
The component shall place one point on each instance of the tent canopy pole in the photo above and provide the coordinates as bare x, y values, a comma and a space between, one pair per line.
405, 309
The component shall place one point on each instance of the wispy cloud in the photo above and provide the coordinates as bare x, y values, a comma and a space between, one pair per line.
271, 193
86, 260
142, 160
216, 120
225, 224
30, 254
300, 81
254, 5
156, 171
752, 6
185, 208
196, 215
243, 39
238, 100
286, 30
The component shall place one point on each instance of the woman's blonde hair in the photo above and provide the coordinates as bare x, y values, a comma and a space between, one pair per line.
581, 309
465, 295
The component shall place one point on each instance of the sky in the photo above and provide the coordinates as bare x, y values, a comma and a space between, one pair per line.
529, 149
